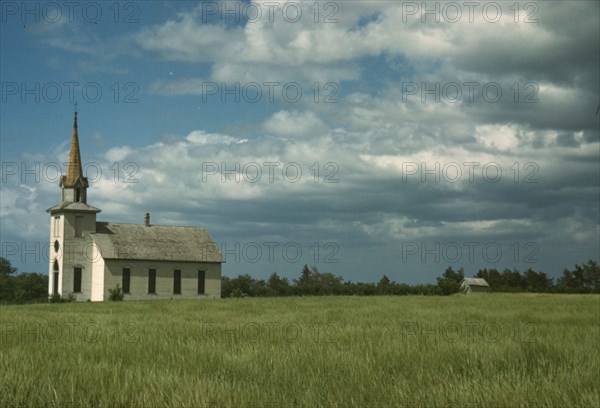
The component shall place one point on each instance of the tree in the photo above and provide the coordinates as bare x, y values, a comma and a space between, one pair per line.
313, 282
330, 284
536, 281
450, 281
305, 284
305, 276
456, 276
567, 282
5, 267
22, 287
226, 287
590, 273
278, 286
384, 287
245, 283
7, 288
583, 279
512, 279
491, 276
31, 287
384, 281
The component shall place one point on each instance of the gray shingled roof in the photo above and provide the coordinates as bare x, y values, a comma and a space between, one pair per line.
156, 243
69, 206
475, 282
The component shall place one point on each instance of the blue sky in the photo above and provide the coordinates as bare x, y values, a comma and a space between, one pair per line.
464, 137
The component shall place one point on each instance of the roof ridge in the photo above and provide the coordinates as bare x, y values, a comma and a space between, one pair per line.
151, 225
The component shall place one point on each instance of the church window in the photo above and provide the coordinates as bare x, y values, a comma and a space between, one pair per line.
77, 280
126, 279
152, 281
55, 278
177, 282
201, 280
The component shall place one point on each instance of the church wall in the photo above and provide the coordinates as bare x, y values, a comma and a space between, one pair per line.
139, 271
77, 253
97, 284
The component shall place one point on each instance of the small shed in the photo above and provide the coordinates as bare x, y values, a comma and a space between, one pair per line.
474, 285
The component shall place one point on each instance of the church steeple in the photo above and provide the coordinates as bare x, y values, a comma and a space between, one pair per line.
74, 185
74, 168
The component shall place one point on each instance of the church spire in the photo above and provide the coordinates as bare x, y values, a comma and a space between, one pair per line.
74, 168
74, 185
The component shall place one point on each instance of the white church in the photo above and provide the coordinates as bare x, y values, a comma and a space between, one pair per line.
89, 257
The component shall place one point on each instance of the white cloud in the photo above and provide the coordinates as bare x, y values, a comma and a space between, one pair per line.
405, 229
501, 137
116, 154
294, 123
200, 137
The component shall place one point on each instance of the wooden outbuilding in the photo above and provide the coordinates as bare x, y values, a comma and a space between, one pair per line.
474, 285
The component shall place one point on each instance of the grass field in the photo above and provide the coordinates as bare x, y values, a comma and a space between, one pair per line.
493, 350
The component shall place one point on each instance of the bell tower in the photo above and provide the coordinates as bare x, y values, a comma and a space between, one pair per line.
71, 222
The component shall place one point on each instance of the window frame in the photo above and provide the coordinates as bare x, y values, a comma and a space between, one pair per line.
177, 281
57, 226
77, 279
151, 281
201, 282
126, 283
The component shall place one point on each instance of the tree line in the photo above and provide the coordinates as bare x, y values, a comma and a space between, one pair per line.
312, 282
33, 287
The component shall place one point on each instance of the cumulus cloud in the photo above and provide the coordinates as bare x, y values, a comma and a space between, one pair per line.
289, 124
440, 132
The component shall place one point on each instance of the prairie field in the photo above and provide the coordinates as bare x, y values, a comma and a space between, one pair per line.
492, 350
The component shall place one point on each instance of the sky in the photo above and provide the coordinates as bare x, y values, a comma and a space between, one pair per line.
362, 137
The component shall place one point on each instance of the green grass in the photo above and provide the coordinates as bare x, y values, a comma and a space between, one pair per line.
495, 350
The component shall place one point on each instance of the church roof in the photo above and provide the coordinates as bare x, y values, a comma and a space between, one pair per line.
76, 206
155, 243
74, 169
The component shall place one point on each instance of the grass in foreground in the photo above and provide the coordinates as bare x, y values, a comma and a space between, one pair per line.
494, 350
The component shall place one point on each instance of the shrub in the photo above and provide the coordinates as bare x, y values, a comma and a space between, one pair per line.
57, 298
237, 293
115, 294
